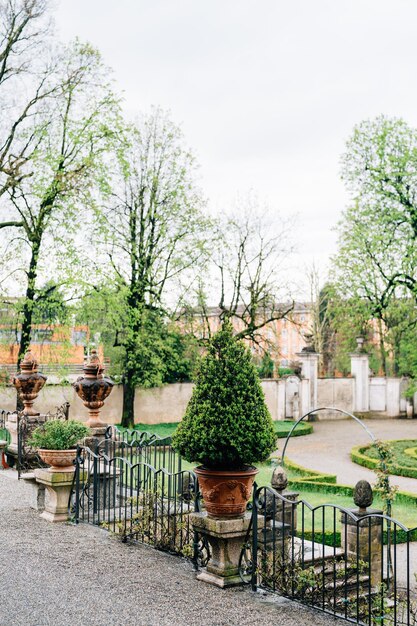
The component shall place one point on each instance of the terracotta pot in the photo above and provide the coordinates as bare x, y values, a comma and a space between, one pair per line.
59, 460
226, 492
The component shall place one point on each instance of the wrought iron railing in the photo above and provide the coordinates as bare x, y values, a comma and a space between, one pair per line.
359, 567
133, 498
141, 447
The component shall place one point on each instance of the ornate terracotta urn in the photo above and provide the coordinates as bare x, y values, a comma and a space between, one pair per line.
29, 382
93, 388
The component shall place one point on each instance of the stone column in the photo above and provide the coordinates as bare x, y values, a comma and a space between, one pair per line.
359, 367
309, 371
362, 540
226, 538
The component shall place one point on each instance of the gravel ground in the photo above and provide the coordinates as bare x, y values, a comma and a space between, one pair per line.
63, 575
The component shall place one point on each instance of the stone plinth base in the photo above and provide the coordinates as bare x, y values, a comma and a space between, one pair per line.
37, 492
57, 492
97, 435
226, 538
363, 540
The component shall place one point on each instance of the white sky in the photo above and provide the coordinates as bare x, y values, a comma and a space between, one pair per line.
267, 92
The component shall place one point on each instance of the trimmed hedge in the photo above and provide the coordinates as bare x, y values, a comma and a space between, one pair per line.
359, 456
313, 481
303, 428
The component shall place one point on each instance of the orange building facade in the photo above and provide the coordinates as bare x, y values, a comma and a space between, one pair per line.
50, 344
282, 338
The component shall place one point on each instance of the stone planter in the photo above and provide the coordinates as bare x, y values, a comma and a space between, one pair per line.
226, 492
59, 460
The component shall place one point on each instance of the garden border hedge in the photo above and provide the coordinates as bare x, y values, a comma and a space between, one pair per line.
358, 456
313, 480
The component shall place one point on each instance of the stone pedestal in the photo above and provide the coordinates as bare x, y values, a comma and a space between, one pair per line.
364, 541
287, 513
37, 492
226, 538
11, 426
96, 436
57, 492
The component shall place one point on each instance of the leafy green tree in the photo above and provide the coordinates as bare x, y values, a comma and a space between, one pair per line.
376, 265
380, 172
44, 209
154, 236
50, 306
164, 354
227, 424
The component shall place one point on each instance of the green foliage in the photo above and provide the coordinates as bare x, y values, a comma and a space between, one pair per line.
266, 366
227, 423
58, 435
50, 306
375, 269
159, 353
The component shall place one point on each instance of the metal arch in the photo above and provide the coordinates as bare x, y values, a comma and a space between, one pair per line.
324, 408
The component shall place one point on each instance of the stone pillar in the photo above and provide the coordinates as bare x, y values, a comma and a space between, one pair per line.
280, 399
310, 371
359, 367
393, 391
285, 513
362, 540
226, 538
57, 492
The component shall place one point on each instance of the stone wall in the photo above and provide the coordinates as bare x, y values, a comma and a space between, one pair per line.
288, 397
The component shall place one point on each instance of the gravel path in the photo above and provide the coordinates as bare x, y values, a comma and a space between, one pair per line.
63, 575
328, 448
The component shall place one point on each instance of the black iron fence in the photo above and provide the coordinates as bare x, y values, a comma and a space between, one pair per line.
141, 447
134, 499
16, 428
358, 566
4, 433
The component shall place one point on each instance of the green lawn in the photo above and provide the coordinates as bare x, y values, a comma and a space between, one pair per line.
282, 428
398, 447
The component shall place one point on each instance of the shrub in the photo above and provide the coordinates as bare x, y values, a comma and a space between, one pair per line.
227, 424
58, 435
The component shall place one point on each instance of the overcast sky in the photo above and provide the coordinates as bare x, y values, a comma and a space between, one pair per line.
266, 92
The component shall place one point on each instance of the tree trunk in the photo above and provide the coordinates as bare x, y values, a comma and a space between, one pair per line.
128, 414
382, 348
27, 311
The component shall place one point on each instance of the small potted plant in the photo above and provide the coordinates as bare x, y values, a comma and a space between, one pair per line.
56, 443
227, 426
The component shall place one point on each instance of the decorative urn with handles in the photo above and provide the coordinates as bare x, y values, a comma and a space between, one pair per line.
29, 382
93, 388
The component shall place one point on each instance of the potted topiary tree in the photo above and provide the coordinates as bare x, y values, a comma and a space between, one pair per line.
56, 443
227, 426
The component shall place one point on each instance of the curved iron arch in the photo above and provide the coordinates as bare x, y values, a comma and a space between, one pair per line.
324, 408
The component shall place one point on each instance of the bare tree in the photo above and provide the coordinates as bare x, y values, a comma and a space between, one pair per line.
25, 83
247, 276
